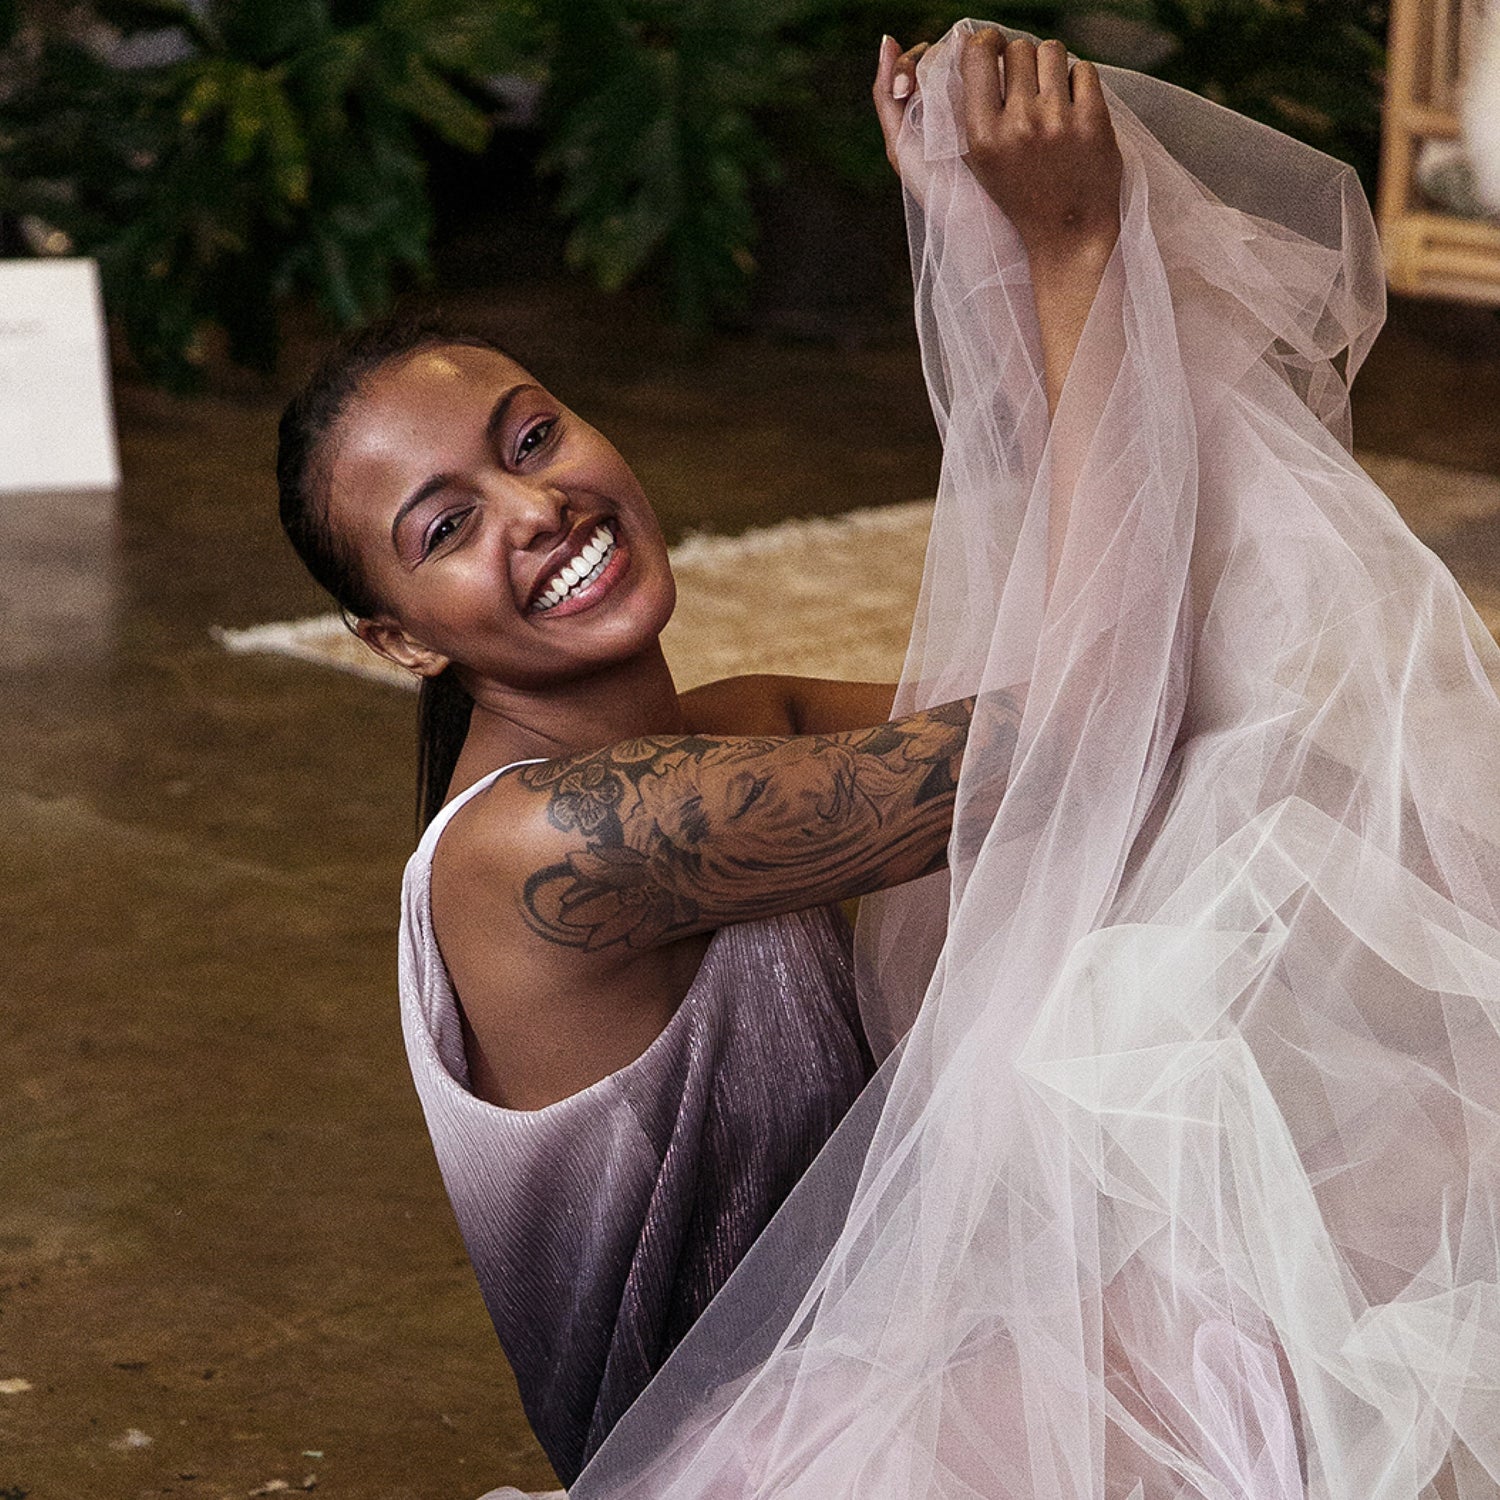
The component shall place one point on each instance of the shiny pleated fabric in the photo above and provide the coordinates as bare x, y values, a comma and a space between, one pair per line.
601, 1226
1180, 1178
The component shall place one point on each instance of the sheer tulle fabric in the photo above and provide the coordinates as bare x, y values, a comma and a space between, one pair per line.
1183, 1182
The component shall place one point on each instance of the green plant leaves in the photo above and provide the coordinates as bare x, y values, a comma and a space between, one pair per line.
1312, 68
653, 136
279, 154
424, 95
666, 116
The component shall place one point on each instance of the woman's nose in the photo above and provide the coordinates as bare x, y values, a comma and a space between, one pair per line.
532, 513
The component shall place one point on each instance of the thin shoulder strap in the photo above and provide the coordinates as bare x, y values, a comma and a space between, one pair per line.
435, 828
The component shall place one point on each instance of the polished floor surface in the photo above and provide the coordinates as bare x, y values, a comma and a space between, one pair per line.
226, 1263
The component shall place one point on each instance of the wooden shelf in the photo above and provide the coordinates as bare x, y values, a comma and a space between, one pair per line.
1429, 252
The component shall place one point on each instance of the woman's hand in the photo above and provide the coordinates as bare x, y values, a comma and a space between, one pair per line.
1041, 143
1042, 146
895, 87
1040, 139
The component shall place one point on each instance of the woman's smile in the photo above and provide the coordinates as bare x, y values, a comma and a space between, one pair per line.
586, 573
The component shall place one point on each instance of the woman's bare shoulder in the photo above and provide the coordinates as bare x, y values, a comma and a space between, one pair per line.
542, 1020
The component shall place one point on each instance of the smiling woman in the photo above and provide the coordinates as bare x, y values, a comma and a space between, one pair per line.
627, 987
626, 983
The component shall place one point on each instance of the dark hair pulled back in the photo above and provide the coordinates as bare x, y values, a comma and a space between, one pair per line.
307, 424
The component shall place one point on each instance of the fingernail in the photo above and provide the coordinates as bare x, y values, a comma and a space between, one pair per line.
902, 86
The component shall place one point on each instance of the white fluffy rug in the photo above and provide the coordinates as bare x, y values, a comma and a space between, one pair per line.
835, 597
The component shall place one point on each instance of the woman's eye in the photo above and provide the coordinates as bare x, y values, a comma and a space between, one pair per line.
534, 437
444, 529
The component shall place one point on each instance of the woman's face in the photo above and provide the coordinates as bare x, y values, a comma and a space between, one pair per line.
500, 532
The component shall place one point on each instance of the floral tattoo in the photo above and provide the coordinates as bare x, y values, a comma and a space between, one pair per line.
680, 834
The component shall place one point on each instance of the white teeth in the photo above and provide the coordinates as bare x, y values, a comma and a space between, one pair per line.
579, 572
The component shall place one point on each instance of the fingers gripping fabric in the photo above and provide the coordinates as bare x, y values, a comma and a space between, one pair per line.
1183, 1181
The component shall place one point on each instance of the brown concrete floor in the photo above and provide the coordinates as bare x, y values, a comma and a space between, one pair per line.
225, 1256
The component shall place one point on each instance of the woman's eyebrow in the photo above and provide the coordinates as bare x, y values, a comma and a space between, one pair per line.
431, 486
427, 488
497, 416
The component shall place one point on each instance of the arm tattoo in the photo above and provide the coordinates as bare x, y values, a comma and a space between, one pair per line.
680, 834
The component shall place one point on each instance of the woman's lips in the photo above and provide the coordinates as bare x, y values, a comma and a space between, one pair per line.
592, 593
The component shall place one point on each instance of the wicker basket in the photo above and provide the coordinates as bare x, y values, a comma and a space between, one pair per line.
1429, 251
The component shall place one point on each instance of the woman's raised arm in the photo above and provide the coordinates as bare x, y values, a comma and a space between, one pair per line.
1042, 146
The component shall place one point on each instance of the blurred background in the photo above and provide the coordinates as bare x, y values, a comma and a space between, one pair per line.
226, 1264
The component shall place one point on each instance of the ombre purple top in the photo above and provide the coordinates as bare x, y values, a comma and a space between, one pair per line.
600, 1226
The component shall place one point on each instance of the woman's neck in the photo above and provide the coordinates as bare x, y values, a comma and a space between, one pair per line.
625, 701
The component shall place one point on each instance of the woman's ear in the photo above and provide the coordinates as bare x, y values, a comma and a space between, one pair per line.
388, 639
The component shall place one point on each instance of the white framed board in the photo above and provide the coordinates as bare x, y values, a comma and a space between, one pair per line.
57, 428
